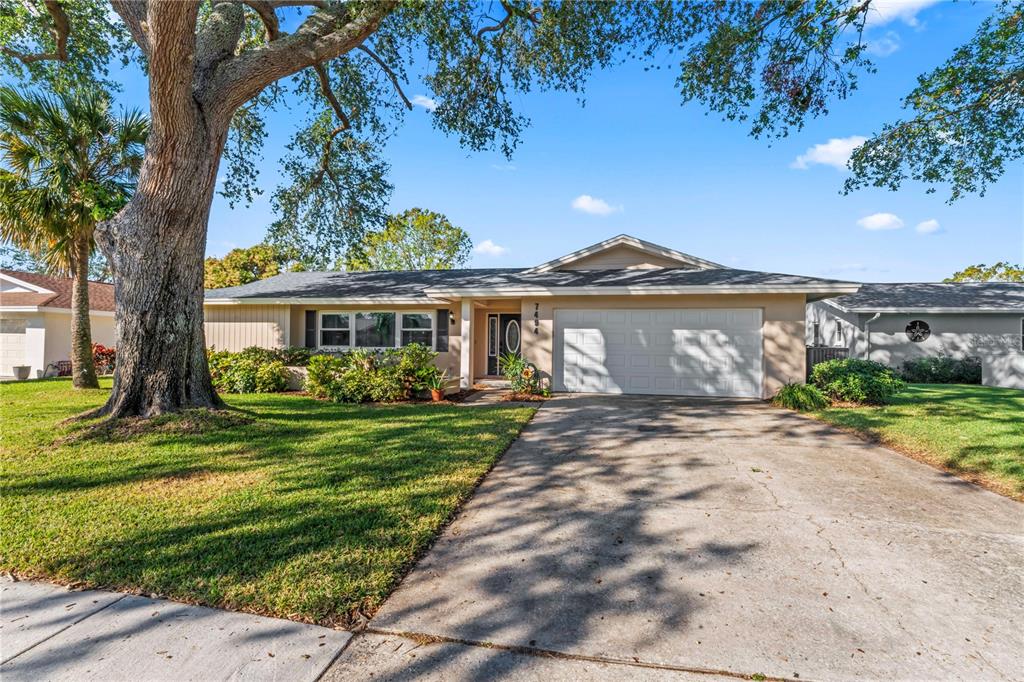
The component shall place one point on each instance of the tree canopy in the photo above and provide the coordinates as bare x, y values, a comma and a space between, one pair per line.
416, 239
241, 266
1003, 271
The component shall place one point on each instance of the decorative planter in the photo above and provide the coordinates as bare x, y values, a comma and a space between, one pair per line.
21, 372
437, 394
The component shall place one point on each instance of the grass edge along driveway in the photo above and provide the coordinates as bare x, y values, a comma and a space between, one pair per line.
975, 432
285, 506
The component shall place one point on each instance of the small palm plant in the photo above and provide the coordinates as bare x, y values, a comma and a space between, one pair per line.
66, 162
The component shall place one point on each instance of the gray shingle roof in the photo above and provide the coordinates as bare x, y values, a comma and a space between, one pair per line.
415, 283
1007, 296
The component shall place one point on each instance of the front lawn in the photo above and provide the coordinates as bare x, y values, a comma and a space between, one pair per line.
974, 431
288, 506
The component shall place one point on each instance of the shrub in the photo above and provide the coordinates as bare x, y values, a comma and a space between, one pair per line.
362, 375
521, 375
103, 358
856, 381
252, 370
942, 370
294, 356
800, 397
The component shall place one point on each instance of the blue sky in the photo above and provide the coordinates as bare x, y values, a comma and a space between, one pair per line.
647, 166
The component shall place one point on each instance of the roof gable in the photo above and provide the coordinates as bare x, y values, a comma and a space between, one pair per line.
624, 252
52, 292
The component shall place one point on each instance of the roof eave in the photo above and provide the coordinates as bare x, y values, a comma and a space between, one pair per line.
311, 300
933, 310
500, 292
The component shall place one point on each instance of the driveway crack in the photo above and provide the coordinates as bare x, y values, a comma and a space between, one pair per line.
421, 638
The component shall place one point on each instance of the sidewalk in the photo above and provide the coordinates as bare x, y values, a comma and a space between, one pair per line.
50, 633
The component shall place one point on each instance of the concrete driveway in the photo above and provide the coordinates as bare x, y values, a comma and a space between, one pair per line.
658, 538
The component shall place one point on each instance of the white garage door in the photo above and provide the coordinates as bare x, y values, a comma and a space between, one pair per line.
699, 352
12, 344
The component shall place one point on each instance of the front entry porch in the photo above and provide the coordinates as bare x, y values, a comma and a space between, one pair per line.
490, 329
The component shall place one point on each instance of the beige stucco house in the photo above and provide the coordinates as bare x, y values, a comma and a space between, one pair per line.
621, 316
35, 320
895, 322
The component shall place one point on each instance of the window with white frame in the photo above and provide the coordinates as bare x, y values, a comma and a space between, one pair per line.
384, 329
417, 328
335, 330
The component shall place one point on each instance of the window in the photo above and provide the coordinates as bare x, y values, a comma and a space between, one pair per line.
334, 329
817, 333
841, 334
12, 326
417, 328
375, 330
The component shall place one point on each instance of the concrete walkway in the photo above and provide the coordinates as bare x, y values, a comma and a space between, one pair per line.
50, 633
649, 538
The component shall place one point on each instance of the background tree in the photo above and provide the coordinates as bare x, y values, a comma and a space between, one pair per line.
1003, 271
67, 162
241, 266
214, 70
414, 240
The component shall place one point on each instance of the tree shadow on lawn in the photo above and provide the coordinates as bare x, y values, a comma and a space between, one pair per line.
313, 511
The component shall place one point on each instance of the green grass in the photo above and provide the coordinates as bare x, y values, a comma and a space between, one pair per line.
974, 431
291, 507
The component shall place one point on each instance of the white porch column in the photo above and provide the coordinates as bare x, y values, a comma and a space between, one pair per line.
466, 347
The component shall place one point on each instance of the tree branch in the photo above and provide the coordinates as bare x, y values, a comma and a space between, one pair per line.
61, 29
510, 12
325, 87
133, 14
388, 71
326, 34
268, 16
218, 37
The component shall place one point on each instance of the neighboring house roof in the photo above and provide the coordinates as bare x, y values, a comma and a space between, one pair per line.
422, 285
958, 297
52, 292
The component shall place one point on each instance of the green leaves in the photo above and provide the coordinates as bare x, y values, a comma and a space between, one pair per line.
1003, 271
416, 239
967, 118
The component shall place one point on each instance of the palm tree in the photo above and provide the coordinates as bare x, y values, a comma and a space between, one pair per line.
66, 162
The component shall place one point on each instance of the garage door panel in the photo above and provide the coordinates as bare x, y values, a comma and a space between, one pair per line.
713, 352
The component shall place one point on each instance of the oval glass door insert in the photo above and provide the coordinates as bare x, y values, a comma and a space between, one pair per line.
512, 336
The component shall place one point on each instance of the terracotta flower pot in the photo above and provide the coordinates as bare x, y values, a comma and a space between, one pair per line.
436, 394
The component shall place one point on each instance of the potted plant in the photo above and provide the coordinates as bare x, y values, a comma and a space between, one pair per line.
21, 372
436, 385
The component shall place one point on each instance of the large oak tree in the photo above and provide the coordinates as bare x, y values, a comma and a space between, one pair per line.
215, 69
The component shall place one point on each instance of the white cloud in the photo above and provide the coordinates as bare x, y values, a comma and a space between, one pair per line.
594, 206
881, 221
883, 12
929, 226
885, 45
489, 248
836, 152
425, 102
503, 167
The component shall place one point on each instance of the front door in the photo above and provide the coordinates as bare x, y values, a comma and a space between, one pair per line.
504, 335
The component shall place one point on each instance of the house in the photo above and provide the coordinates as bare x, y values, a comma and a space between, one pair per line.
621, 316
35, 320
892, 323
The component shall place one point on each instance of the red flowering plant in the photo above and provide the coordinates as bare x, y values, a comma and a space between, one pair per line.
103, 358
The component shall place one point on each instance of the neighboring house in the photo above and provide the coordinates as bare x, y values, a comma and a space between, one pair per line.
891, 323
621, 316
35, 319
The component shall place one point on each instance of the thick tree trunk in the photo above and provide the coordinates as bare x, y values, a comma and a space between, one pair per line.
83, 370
156, 246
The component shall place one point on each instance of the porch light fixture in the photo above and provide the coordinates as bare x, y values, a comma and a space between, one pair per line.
451, 317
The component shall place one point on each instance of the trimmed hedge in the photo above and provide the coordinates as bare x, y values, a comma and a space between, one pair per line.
800, 397
856, 381
362, 375
253, 370
942, 370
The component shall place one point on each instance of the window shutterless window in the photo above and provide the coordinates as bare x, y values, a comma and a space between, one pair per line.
417, 328
375, 330
335, 330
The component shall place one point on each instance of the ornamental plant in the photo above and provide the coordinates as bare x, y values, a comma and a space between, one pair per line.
103, 358
857, 381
